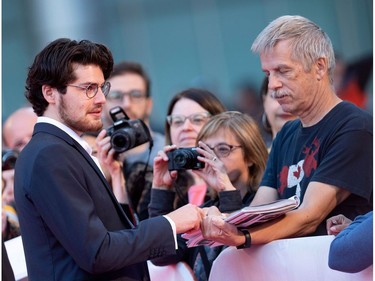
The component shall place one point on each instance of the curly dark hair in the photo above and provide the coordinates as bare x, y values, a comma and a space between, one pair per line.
54, 66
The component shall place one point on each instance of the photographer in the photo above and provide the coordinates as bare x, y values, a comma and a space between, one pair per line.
188, 104
188, 111
131, 91
233, 156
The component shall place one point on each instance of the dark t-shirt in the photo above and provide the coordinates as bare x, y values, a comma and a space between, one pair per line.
336, 151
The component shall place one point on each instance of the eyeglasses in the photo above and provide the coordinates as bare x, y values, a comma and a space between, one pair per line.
223, 149
134, 95
178, 120
92, 88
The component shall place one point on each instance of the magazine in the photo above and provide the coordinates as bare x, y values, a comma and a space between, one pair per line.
246, 217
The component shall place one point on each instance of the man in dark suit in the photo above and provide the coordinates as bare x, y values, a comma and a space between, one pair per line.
72, 226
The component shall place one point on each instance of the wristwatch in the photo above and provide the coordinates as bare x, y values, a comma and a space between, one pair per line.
247, 243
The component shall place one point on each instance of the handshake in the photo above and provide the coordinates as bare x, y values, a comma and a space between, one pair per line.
208, 226
187, 218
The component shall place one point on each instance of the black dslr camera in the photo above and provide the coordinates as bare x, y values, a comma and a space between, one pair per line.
8, 158
184, 159
126, 134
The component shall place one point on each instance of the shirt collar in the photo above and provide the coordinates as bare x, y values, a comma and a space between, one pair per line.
66, 129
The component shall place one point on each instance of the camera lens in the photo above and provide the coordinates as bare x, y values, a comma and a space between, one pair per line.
180, 159
120, 142
185, 158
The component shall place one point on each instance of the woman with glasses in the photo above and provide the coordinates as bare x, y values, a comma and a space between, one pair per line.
234, 156
187, 113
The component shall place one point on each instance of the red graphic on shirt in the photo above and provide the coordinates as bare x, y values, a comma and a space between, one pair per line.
283, 176
288, 176
297, 173
310, 163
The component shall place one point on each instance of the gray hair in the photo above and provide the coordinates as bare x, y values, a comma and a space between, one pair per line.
307, 40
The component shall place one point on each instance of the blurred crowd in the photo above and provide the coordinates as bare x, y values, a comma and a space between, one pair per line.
215, 156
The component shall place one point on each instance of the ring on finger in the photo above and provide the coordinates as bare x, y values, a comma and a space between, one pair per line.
214, 159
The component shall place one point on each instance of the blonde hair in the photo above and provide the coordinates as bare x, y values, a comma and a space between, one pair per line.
247, 133
307, 40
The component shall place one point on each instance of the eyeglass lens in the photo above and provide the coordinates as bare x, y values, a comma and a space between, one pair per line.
196, 119
92, 89
134, 95
223, 149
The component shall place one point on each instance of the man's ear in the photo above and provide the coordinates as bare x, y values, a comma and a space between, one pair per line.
49, 93
321, 68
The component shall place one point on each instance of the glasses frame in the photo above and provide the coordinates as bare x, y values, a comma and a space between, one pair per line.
170, 117
128, 94
105, 88
231, 148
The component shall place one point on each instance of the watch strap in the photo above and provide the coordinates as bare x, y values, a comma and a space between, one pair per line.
247, 243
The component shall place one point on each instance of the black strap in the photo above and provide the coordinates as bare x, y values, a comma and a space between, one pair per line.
207, 265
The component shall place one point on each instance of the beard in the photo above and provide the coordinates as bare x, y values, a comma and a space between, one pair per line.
81, 125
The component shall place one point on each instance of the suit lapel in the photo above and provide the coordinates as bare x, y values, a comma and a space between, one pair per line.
51, 129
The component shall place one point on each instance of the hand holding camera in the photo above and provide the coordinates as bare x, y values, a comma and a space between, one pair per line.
163, 178
172, 159
184, 159
126, 134
214, 173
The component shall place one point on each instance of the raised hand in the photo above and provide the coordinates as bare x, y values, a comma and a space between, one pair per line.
107, 155
163, 178
214, 172
108, 160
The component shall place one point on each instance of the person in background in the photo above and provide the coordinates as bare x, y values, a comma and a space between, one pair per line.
118, 187
72, 226
131, 90
187, 112
18, 128
317, 156
90, 138
353, 79
274, 117
235, 155
17, 132
10, 224
352, 249
246, 100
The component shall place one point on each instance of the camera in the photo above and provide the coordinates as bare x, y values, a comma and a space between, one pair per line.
8, 158
184, 159
126, 134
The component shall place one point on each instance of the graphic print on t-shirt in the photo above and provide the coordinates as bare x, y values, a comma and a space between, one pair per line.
292, 176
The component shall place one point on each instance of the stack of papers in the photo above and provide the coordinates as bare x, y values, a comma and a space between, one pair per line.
246, 217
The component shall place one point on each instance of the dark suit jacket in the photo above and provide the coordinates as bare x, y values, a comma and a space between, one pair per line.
72, 225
